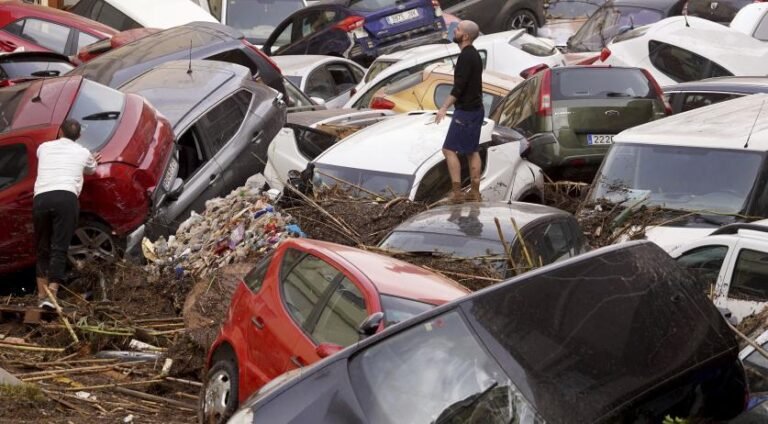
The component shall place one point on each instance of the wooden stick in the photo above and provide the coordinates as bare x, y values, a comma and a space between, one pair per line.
64, 358
138, 321
751, 342
110, 386
65, 403
147, 396
30, 348
190, 382
44, 375
522, 242
506, 247
52, 298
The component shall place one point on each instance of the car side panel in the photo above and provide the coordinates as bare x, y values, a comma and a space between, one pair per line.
740, 308
17, 248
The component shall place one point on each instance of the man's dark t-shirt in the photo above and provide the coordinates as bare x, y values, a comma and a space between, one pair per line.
468, 80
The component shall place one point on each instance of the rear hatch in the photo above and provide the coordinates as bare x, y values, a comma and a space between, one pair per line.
590, 105
388, 18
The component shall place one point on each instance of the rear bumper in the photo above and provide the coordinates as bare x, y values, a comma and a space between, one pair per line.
372, 47
553, 158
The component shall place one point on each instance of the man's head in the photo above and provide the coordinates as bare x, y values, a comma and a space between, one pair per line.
70, 129
466, 32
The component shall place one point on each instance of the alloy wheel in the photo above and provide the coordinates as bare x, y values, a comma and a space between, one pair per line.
217, 393
523, 20
91, 242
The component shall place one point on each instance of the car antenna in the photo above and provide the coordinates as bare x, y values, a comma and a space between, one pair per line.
631, 22
685, 17
37, 98
189, 69
754, 123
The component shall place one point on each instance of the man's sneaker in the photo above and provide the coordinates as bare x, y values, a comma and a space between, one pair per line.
46, 304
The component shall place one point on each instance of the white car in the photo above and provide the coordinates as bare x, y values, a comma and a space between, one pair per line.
327, 80
308, 134
256, 19
752, 20
508, 52
402, 156
675, 51
731, 263
129, 14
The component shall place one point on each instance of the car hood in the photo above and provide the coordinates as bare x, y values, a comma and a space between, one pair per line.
671, 238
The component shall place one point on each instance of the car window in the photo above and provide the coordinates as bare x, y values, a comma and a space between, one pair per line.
600, 83
750, 276
532, 45
47, 34
13, 165
238, 57
296, 98
319, 84
696, 100
98, 108
756, 366
395, 380
84, 39
704, 263
341, 316
221, 123
518, 106
387, 183
257, 19
398, 309
110, 16
304, 285
311, 143
443, 90
376, 67
255, 277
761, 33
682, 65
546, 243
435, 184
32, 66
284, 38
357, 73
10, 97
342, 77
315, 21
371, 5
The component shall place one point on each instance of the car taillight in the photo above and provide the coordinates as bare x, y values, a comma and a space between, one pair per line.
353, 91
658, 90
262, 54
438, 9
533, 70
382, 103
605, 53
545, 95
350, 23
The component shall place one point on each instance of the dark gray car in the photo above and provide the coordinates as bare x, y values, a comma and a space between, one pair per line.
695, 94
223, 122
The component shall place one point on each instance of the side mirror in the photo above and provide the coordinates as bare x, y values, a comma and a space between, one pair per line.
318, 100
371, 324
325, 350
176, 189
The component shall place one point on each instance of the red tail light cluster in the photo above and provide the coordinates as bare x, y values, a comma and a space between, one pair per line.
261, 53
659, 92
438, 9
382, 103
605, 53
545, 95
350, 23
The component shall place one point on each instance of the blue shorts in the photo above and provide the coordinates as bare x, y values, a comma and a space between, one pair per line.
464, 132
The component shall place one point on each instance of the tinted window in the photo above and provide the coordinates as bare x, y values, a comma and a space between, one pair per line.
257, 19
9, 102
222, 122
605, 24
342, 77
98, 109
110, 16
546, 243
435, 184
312, 143
320, 84
304, 286
443, 90
341, 316
761, 33
600, 83
47, 34
704, 263
519, 105
13, 165
532, 45
682, 65
33, 67
459, 245
750, 277
397, 309
696, 100
84, 39
255, 277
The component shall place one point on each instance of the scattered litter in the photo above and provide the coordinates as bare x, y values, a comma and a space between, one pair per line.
85, 395
128, 419
141, 346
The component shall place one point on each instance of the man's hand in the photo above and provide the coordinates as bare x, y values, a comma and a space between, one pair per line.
97, 157
440, 115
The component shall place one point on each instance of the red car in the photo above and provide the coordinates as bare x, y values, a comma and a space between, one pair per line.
135, 143
39, 28
304, 302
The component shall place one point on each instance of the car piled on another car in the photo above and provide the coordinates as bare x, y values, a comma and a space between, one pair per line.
328, 80
695, 94
16, 67
130, 14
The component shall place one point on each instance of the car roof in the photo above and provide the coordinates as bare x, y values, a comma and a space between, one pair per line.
391, 276
496, 79
436, 220
300, 65
725, 125
17, 8
746, 85
175, 92
162, 13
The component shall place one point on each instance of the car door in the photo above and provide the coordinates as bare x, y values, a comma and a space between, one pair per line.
37, 34
319, 85
319, 35
708, 260
17, 178
747, 277
293, 148
685, 101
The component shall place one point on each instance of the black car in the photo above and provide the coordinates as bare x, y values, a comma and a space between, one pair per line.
692, 95
22, 65
498, 15
618, 16
223, 122
619, 335
722, 11
196, 40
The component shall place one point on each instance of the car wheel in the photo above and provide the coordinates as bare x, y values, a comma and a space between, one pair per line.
522, 19
218, 398
92, 241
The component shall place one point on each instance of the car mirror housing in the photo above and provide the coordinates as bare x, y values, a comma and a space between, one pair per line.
325, 350
176, 189
371, 324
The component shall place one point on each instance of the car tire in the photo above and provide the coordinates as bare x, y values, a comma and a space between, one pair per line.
219, 395
92, 242
522, 19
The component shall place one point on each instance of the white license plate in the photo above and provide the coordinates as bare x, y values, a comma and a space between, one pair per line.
599, 139
403, 16
170, 174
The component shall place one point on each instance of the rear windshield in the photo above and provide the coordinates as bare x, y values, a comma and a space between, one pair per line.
600, 83
33, 68
98, 109
376, 68
9, 102
371, 5
258, 18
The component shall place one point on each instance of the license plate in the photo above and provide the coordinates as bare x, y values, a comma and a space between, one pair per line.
593, 139
170, 174
403, 16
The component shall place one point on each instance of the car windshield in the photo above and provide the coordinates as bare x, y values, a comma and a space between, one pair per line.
447, 244
572, 9
600, 83
683, 178
398, 309
376, 68
385, 183
371, 5
606, 23
256, 19
98, 109
33, 68
436, 372
10, 97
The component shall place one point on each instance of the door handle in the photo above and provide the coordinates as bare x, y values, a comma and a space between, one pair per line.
258, 322
212, 178
10, 44
256, 137
297, 361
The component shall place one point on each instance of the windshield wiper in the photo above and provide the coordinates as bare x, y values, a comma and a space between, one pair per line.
102, 116
464, 404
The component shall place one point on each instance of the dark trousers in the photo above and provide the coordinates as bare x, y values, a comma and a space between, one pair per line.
55, 217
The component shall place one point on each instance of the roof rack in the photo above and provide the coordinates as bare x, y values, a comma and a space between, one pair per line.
734, 228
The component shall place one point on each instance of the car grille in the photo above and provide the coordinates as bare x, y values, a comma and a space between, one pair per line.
408, 34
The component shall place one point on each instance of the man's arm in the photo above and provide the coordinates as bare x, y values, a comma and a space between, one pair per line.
460, 81
91, 163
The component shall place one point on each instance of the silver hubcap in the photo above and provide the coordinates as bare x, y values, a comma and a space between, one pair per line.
523, 21
91, 243
217, 394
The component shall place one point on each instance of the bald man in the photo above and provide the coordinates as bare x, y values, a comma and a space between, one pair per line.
467, 98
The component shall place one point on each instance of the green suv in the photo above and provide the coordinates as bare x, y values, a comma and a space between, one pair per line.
570, 114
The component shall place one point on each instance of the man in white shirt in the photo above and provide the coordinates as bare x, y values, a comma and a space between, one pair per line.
60, 167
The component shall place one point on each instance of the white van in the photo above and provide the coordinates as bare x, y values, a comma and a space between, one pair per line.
706, 166
129, 14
